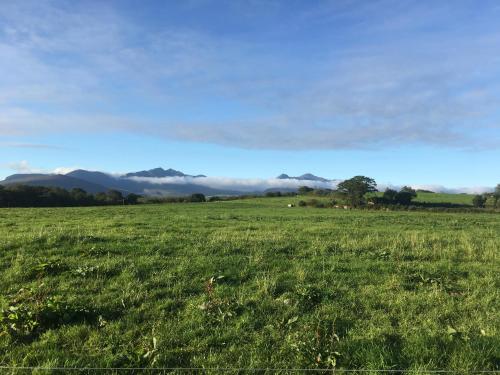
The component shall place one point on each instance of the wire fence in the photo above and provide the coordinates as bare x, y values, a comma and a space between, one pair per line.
248, 370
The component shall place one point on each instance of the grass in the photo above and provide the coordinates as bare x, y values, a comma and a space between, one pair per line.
249, 283
441, 198
465, 199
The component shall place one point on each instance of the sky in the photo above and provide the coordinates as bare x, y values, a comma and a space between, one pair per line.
406, 92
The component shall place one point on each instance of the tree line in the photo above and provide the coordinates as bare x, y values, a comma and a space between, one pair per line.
41, 196
355, 192
479, 200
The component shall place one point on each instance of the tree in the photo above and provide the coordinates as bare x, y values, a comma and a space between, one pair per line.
303, 190
479, 200
3, 197
273, 194
390, 195
405, 195
100, 197
496, 195
114, 197
48, 196
355, 189
198, 197
79, 196
408, 189
132, 198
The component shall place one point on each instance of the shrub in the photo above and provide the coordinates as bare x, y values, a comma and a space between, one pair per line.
479, 201
312, 202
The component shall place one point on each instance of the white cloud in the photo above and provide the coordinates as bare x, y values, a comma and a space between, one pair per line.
24, 166
31, 145
457, 190
240, 184
260, 184
64, 170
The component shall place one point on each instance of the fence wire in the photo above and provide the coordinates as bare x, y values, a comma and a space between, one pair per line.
251, 370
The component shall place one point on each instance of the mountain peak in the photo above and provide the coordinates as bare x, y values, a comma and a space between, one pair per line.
283, 176
310, 176
306, 176
156, 172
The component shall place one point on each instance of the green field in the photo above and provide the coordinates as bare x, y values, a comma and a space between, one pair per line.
249, 284
442, 198
465, 199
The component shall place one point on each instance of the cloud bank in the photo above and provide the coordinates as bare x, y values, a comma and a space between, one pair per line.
239, 184
261, 184
24, 167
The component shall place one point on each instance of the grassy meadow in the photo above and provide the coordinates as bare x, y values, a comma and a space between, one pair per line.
446, 198
463, 199
249, 284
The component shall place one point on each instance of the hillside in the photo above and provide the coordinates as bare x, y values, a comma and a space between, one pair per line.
445, 198
94, 181
440, 198
61, 181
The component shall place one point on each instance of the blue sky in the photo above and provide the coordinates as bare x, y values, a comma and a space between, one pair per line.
407, 92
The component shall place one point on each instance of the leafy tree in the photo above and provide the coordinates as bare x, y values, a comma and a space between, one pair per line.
496, 195
408, 189
273, 194
405, 195
100, 197
355, 189
5, 197
79, 196
479, 200
303, 190
390, 195
132, 198
198, 197
322, 192
114, 197
43, 196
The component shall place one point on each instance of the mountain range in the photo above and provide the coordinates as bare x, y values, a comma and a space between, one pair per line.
307, 176
147, 182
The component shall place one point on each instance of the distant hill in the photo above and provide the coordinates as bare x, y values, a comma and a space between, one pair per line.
306, 176
56, 180
99, 178
281, 190
94, 182
160, 172
156, 181
109, 181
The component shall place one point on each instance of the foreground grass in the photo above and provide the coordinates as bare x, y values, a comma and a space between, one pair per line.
249, 284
